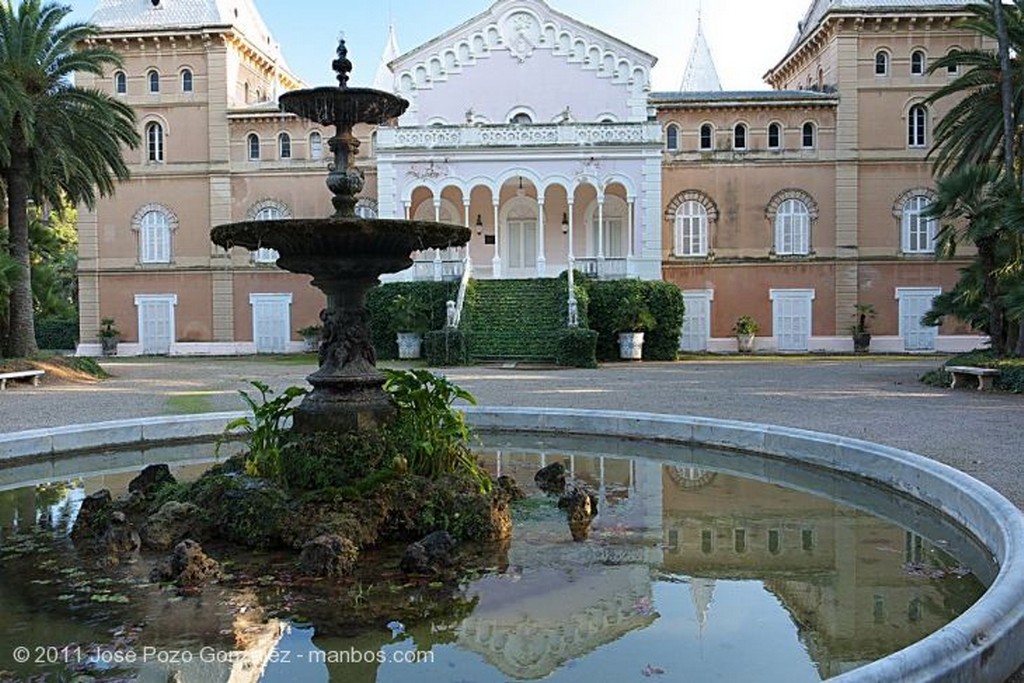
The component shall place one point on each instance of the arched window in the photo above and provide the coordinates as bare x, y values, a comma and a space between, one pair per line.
284, 146
672, 138
792, 228
918, 230
917, 63
774, 136
691, 229
953, 68
264, 255
316, 146
521, 119
245, 92
154, 80
739, 136
154, 142
917, 126
253, 146
881, 63
808, 136
707, 137
186, 80
120, 83
155, 238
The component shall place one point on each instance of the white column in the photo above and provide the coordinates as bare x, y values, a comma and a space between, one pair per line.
600, 228
465, 211
571, 253
632, 238
542, 263
573, 320
496, 261
438, 265
408, 210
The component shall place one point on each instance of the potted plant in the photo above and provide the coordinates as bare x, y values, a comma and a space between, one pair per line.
311, 336
860, 330
409, 317
109, 337
745, 330
633, 318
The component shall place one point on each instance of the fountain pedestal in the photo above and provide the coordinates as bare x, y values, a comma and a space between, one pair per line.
345, 255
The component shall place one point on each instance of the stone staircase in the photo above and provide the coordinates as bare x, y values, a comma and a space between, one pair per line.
514, 320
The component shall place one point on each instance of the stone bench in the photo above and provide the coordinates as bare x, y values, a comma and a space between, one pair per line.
962, 372
23, 374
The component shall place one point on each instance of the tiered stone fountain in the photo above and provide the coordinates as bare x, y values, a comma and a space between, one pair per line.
345, 255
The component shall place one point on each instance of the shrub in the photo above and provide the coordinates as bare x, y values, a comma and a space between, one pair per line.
57, 334
446, 347
577, 348
664, 301
1011, 376
433, 297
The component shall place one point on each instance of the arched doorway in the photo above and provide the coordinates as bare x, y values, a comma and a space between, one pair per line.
519, 236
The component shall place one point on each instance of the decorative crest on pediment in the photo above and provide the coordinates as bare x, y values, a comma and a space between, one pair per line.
522, 33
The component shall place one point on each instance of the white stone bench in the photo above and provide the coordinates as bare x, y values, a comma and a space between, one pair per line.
23, 374
962, 372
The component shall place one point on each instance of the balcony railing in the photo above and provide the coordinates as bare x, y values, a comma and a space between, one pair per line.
455, 137
607, 268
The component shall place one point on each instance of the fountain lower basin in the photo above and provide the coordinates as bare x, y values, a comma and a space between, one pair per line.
984, 644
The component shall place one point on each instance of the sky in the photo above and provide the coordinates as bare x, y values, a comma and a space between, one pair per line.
747, 37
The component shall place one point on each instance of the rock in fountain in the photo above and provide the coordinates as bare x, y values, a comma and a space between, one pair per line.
345, 255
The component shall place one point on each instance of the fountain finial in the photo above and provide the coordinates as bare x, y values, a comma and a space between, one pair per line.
342, 66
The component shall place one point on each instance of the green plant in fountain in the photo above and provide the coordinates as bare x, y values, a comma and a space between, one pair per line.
434, 432
264, 429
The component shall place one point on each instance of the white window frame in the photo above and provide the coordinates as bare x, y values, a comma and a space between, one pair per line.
778, 144
777, 296
789, 218
908, 292
265, 255
187, 80
155, 137
278, 298
740, 129
917, 126
911, 225
284, 144
670, 131
691, 216
151, 84
249, 147
157, 249
316, 149
803, 135
171, 300
711, 138
120, 83
885, 62
918, 63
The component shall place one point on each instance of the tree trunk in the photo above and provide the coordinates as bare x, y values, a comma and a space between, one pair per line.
1019, 350
1006, 84
21, 341
987, 257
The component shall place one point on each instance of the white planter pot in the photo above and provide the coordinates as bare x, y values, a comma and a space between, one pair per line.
409, 345
311, 344
745, 342
631, 345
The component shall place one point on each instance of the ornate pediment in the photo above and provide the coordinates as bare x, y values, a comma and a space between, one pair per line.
520, 28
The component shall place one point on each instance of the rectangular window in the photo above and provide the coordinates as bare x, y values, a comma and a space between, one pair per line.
807, 540
739, 539
707, 541
774, 541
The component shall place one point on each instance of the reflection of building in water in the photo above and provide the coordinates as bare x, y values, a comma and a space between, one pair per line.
841, 573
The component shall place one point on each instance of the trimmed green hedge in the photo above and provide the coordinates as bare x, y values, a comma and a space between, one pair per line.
434, 296
665, 302
515, 319
576, 348
57, 334
1012, 370
445, 347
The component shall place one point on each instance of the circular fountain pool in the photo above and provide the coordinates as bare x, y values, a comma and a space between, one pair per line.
703, 562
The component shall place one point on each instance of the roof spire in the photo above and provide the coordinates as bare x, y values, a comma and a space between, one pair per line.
385, 79
700, 74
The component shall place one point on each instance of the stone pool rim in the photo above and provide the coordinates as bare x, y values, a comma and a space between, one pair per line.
985, 643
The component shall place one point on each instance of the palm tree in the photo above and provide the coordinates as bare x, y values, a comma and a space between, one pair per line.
974, 130
57, 140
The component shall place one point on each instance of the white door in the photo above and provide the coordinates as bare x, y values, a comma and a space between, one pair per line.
271, 322
156, 324
696, 321
914, 303
614, 236
791, 319
522, 246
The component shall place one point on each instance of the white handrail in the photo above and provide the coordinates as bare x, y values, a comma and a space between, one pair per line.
467, 272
